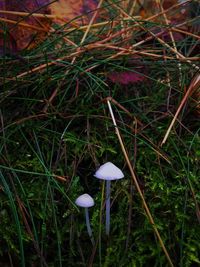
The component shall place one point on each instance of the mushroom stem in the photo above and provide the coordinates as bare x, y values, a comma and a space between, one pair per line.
107, 207
88, 226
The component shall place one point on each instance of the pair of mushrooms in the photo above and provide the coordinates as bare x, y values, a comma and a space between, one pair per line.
107, 172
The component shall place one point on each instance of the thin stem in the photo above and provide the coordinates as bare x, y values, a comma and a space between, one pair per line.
100, 221
87, 219
107, 207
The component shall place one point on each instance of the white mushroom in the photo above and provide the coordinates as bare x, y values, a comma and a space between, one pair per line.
108, 172
86, 201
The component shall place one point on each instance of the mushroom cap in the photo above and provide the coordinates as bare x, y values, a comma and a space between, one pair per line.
109, 171
85, 201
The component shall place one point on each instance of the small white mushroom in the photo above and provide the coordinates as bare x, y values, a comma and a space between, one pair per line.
108, 172
86, 201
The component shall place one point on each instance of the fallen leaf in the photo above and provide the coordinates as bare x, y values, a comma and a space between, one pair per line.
77, 10
126, 77
27, 31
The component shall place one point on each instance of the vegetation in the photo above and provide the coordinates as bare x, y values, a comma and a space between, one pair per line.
56, 130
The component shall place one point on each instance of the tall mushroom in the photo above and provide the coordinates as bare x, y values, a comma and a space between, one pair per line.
86, 201
108, 172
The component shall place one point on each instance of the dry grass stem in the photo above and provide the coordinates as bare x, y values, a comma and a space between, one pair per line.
25, 25
148, 213
195, 84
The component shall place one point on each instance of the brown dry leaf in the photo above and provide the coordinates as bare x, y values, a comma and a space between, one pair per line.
67, 10
27, 31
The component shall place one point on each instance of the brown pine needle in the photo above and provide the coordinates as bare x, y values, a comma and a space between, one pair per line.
153, 146
100, 24
25, 14
172, 49
23, 24
193, 86
148, 213
78, 50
